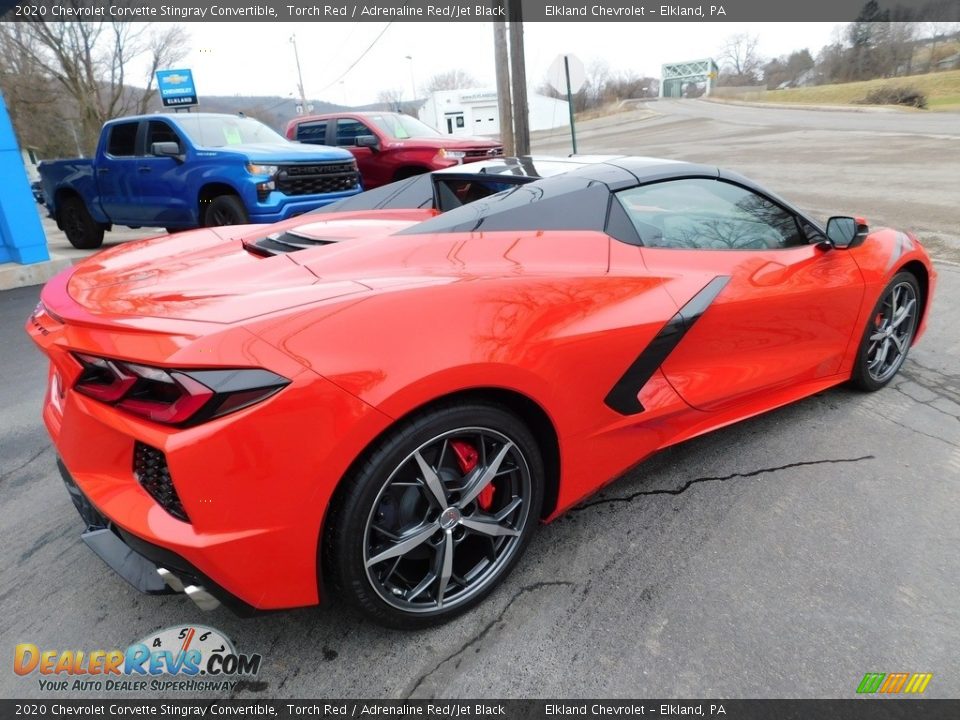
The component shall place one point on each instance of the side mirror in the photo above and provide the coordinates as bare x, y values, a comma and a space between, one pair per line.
842, 231
367, 141
166, 149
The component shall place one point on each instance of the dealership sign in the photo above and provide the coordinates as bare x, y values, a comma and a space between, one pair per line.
176, 88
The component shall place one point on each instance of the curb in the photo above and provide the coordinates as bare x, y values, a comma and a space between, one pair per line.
14, 275
802, 106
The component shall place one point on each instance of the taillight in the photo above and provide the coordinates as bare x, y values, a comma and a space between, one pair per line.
174, 397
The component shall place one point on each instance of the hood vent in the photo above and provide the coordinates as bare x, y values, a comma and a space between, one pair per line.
283, 242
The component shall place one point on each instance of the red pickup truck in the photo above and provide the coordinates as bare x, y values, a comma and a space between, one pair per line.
390, 146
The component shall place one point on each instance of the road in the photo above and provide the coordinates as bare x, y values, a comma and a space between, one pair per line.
895, 167
782, 557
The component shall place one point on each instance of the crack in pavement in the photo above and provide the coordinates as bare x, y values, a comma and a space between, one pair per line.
29, 460
920, 432
487, 628
718, 478
927, 403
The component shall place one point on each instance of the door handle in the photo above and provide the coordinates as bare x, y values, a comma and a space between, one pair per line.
144, 168
103, 171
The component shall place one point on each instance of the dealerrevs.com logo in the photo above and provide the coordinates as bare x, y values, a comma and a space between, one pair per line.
183, 658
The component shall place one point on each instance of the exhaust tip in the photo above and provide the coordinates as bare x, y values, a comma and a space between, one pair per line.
172, 581
201, 598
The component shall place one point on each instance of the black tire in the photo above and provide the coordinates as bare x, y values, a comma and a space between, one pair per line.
886, 340
225, 210
453, 540
83, 232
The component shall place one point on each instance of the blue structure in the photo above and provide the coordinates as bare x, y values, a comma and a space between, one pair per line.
22, 239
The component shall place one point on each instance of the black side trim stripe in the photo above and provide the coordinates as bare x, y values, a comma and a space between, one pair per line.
622, 398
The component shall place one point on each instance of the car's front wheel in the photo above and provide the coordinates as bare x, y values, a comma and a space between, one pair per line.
225, 210
889, 333
436, 515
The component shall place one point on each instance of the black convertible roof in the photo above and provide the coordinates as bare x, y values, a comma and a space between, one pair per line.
578, 199
536, 193
540, 193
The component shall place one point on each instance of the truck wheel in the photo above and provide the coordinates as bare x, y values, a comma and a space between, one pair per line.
225, 210
82, 231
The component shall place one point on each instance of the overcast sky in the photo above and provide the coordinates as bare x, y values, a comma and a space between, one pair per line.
258, 59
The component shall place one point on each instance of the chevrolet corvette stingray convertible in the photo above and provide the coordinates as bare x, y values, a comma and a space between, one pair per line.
382, 400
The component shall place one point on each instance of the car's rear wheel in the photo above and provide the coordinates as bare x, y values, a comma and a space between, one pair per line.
83, 232
889, 333
225, 210
436, 515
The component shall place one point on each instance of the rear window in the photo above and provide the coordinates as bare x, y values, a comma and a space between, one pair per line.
563, 202
313, 133
123, 139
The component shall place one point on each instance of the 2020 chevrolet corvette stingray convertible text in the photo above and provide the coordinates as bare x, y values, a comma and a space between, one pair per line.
383, 400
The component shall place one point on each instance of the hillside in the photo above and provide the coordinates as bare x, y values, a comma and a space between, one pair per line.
273, 110
942, 90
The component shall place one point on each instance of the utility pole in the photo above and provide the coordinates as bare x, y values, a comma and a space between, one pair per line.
503, 86
518, 75
296, 55
573, 124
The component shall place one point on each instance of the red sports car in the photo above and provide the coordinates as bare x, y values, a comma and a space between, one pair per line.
382, 401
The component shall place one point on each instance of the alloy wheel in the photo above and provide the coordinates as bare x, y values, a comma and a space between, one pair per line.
892, 331
447, 520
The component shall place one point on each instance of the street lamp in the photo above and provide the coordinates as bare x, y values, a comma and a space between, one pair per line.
413, 84
296, 55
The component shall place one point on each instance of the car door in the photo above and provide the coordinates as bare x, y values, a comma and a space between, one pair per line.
766, 303
370, 161
162, 200
116, 171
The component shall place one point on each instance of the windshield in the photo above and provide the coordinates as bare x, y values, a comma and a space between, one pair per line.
221, 131
402, 127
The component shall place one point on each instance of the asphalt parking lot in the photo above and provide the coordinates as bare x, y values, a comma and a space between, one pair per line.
782, 557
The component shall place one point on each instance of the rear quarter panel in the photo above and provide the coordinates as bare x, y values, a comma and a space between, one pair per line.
554, 326
75, 175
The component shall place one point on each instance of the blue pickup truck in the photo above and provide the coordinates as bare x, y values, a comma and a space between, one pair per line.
188, 170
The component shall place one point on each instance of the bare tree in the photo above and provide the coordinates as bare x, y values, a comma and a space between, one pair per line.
391, 97
936, 33
788, 70
597, 79
89, 62
741, 61
455, 79
38, 115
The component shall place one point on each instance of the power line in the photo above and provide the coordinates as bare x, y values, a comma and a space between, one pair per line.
354, 63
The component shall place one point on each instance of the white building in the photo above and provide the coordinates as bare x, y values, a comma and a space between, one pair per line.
474, 112
30, 162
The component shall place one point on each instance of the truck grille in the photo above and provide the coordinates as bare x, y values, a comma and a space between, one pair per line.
317, 179
150, 469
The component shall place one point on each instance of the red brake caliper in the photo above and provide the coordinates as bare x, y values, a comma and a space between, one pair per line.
467, 458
